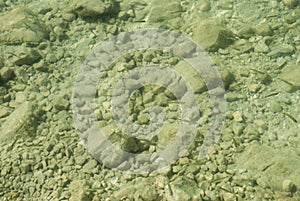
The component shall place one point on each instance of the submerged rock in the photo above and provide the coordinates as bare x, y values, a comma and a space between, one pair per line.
22, 25
213, 36
269, 166
92, 8
290, 75
21, 121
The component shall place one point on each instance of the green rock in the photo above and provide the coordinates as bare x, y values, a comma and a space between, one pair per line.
21, 121
191, 76
21, 56
291, 75
263, 29
263, 162
22, 25
93, 8
212, 36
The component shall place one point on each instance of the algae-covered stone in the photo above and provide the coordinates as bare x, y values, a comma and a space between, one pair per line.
291, 76
212, 35
141, 189
92, 8
263, 162
79, 190
22, 25
18, 122
162, 10
21, 56
191, 76
263, 29
182, 188
166, 13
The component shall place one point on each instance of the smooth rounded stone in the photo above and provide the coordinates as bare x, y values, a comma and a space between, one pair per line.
291, 75
21, 56
68, 16
92, 8
204, 6
211, 35
263, 29
291, 3
22, 25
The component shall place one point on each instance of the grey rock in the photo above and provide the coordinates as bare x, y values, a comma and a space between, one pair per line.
22, 25
212, 36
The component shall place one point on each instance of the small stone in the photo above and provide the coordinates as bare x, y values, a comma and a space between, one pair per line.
68, 16
254, 88
237, 116
263, 29
143, 118
60, 103
287, 185
291, 3
246, 32
262, 47
21, 97
275, 106
6, 73
205, 6
79, 190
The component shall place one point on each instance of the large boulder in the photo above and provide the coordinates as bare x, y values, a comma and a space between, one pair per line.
22, 25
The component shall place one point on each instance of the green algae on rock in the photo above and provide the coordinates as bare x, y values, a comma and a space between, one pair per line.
22, 25
212, 36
